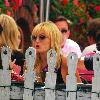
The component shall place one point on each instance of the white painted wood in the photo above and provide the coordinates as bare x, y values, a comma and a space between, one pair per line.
16, 92
71, 83
50, 80
60, 95
51, 60
5, 75
40, 94
30, 56
48, 92
96, 78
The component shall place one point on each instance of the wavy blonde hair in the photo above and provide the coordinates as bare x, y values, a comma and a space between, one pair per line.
8, 36
53, 33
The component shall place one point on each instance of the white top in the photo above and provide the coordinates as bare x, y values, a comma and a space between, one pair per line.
89, 49
71, 46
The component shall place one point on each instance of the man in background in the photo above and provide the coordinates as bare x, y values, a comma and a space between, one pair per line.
93, 26
67, 45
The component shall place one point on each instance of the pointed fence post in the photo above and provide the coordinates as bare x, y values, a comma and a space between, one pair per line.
50, 80
30, 56
5, 74
96, 79
71, 82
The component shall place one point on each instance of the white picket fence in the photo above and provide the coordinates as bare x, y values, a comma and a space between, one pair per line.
27, 91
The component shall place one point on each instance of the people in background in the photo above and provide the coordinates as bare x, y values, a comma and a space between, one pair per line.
93, 30
25, 12
93, 34
11, 37
23, 24
21, 42
46, 36
67, 45
93, 26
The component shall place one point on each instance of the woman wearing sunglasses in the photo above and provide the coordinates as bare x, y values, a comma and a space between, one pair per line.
46, 36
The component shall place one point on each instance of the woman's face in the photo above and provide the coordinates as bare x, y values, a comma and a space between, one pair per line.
40, 42
19, 37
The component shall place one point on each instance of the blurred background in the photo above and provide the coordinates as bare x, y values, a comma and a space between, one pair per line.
78, 13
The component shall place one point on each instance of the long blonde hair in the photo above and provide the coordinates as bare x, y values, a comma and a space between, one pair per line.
53, 33
8, 36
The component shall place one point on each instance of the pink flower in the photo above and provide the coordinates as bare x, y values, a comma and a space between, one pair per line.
91, 5
35, 8
17, 4
75, 2
7, 3
97, 8
65, 2
81, 21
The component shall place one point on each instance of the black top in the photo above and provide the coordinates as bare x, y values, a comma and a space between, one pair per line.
19, 59
59, 77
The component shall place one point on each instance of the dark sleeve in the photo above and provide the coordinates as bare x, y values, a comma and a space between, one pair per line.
88, 62
20, 58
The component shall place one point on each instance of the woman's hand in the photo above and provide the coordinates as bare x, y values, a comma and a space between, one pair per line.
12, 63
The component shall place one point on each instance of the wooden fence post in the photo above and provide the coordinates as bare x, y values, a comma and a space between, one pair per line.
50, 80
96, 79
5, 74
30, 56
71, 83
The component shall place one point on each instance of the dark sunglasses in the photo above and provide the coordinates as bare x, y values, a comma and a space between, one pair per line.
40, 37
63, 30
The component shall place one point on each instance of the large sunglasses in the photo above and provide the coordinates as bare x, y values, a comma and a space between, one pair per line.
40, 37
63, 30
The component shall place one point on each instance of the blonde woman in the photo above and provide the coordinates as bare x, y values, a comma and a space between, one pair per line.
10, 36
45, 36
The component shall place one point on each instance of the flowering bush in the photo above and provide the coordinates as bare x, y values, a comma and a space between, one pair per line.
79, 12
9, 6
